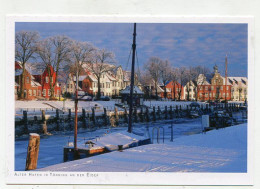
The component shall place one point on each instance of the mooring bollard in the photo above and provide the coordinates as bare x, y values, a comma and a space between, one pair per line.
32, 152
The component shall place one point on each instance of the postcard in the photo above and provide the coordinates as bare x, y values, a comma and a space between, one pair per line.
130, 100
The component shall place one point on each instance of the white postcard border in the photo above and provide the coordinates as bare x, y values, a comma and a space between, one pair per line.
125, 177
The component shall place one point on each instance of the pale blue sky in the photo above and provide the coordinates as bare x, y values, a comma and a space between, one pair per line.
181, 44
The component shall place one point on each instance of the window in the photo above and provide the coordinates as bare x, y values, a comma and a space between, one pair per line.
44, 92
210, 95
227, 88
200, 88
30, 92
27, 79
34, 92
221, 88
206, 94
47, 79
227, 94
212, 88
39, 92
214, 94
206, 88
49, 92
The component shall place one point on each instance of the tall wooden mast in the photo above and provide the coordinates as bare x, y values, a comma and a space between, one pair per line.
226, 62
132, 81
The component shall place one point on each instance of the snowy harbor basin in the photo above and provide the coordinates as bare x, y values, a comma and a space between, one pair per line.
222, 150
51, 147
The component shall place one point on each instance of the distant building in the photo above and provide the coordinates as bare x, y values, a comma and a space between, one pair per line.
239, 88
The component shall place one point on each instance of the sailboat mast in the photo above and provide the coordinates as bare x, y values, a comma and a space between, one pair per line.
132, 81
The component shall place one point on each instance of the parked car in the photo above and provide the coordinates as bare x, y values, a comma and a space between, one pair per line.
102, 98
194, 114
86, 98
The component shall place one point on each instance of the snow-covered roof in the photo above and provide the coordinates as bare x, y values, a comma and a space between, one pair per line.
201, 80
92, 77
110, 77
136, 90
81, 77
35, 84
224, 81
236, 80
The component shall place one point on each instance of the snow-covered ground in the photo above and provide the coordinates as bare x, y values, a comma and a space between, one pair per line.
51, 147
223, 150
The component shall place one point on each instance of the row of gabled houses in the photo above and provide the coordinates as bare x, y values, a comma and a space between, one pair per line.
202, 89
36, 82
37, 85
111, 82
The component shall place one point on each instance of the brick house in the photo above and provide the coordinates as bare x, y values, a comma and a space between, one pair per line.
47, 77
31, 86
173, 90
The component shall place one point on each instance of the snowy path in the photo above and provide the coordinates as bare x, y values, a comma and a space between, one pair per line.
223, 150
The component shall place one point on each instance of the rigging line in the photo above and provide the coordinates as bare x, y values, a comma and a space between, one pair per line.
128, 59
137, 62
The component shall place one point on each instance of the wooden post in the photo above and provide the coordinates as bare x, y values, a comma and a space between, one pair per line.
141, 115
69, 119
93, 117
88, 118
32, 152
44, 123
135, 115
25, 120
84, 117
171, 112
116, 117
57, 120
105, 116
159, 113
166, 112
147, 114
154, 114
125, 116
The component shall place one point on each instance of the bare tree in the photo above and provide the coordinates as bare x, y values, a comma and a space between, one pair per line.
145, 81
174, 78
165, 74
102, 62
153, 68
25, 47
53, 52
182, 77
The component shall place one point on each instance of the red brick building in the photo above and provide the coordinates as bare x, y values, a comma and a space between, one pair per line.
36, 82
32, 89
173, 89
